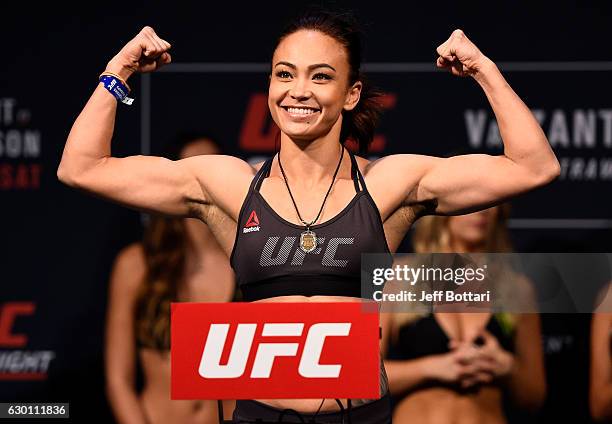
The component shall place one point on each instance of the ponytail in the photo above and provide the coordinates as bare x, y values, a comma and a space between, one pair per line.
360, 123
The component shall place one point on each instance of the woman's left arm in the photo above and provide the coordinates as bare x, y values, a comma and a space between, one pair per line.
601, 368
527, 380
466, 183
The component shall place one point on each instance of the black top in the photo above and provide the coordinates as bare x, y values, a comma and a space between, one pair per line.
267, 258
424, 337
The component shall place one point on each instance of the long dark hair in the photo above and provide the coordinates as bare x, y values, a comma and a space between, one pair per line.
165, 246
358, 124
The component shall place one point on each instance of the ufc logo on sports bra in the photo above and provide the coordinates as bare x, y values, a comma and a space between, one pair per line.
274, 350
272, 255
309, 366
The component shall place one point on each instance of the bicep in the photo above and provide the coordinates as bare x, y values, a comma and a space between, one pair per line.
177, 188
466, 183
446, 186
147, 183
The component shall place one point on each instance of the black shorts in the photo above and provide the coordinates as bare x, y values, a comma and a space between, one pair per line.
375, 412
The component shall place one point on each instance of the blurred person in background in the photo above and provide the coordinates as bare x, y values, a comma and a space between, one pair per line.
600, 395
447, 367
178, 260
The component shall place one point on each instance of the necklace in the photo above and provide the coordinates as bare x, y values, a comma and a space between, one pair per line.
308, 239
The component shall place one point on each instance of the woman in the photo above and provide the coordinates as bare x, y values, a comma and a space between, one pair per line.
452, 367
178, 260
313, 189
601, 359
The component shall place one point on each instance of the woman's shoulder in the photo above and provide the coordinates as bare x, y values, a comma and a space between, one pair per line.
386, 166
129, 267
132, 254
224, 178
222, 165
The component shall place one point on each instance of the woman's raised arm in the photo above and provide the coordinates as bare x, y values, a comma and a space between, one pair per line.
466, 183
147, 183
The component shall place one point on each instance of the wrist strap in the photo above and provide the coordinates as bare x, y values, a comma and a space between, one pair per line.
117, 87
118, 77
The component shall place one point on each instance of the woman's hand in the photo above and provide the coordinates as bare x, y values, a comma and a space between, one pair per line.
490, 361
460, 55
492, 358
455, 366
487, 359
146, 52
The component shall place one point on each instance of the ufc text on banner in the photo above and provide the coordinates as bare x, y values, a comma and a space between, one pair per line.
274, 351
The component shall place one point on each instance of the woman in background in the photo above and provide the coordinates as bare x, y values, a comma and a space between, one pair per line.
454, 367
601, 360
177, 260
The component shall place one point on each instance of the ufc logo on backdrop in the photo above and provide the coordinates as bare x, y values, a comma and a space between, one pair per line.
8, 314
274, 350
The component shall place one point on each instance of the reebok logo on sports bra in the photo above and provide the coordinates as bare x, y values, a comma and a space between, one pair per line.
252, 223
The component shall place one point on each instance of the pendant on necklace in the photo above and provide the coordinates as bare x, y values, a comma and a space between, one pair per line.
308, 241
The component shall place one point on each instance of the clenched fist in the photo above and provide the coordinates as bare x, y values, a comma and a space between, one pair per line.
144, 53
460, 55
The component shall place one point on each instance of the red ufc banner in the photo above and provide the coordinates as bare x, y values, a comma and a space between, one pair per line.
274, 351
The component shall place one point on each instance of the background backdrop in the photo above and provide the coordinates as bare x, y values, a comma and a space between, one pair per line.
57, 245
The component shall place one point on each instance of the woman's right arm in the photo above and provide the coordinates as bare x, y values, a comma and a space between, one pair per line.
147, 183
120, 347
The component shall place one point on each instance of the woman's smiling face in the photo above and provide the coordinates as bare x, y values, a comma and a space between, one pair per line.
309, 85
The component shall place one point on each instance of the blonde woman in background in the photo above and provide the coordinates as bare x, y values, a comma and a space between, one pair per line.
455, 367
177, 260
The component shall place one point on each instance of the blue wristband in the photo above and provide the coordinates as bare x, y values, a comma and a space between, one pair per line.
116, 88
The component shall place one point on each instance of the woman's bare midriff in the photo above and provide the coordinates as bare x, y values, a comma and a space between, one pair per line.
308, 405
155, 397
443, 405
